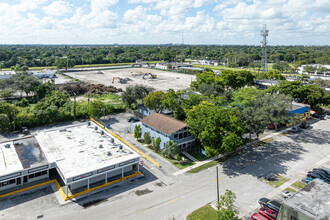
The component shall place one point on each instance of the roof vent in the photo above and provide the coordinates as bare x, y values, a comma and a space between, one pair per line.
112, 140
7, 145
120, 147
100, 146
16, 143
102, 132
95, 128
109, 153
89, 123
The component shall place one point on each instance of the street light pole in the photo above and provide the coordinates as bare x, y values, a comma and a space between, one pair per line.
217, 188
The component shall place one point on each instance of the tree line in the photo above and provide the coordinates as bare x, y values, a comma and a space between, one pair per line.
46, 55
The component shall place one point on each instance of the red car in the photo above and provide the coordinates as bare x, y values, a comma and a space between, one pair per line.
268, 213
257, 216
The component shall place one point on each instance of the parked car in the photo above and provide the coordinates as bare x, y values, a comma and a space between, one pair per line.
25, 130
295, 129
316, 115
308, 180
287, 194
318, 175
271, 204
257, 216
268, 213
327, 115
304, 125
133, 119
322, 170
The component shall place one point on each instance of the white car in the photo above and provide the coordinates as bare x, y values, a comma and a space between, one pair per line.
327, 115
287, 194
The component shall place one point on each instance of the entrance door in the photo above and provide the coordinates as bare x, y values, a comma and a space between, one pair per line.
25, 179
18, 181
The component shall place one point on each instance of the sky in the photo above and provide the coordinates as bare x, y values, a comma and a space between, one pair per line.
290, 22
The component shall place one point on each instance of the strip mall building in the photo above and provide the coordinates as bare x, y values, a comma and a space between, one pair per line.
82, 155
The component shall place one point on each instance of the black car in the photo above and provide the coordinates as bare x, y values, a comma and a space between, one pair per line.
133, 119
315, 115
271, 204
304, 124
326, 172
318, 176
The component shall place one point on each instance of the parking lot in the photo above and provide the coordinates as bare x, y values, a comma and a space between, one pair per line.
290, 155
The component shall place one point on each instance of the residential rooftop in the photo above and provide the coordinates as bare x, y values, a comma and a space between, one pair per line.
164, 123
82, 148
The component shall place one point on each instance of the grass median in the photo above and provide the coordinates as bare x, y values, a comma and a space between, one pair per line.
216, 162
205, 212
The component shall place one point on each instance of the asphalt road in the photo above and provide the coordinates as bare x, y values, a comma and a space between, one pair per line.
290, 156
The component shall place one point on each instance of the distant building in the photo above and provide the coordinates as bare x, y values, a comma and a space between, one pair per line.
6, 74
46, 73
266, 83
175, 66
145, 111
311, 202
167, 128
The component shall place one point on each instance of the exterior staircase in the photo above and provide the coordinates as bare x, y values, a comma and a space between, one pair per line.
189, 156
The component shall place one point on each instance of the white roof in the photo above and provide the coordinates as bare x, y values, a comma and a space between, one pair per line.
76, 149
9, 161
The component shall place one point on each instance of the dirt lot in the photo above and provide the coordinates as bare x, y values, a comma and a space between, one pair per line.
164, 81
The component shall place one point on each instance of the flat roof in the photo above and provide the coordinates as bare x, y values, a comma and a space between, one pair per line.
9, 160
79, 149
20, 154
313, 200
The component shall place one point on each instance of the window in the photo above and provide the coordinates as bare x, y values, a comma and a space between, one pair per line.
31, 176
12, 181
176, 136
180, 135
37, 174
44, 172
185, 134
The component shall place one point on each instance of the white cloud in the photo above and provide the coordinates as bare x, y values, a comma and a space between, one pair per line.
102, 4
57, 8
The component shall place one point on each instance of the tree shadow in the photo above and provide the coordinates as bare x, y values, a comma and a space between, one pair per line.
311, 136
259, 160
110, 121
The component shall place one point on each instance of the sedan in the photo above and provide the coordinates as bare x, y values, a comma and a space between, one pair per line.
268, 213
133, 119
304, 124
271, 204
257, 216
322, 170
315, 115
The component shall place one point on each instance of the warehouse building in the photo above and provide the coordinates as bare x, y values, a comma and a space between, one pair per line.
81, 155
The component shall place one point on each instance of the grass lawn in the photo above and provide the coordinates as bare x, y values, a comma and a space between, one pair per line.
298, 185
203, 213
174, 162
220, 67
215, 162
262, 143
197, 155
290, 190
278, 182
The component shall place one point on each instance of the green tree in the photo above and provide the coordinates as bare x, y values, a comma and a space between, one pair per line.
137, 131
172, 148
6, 93
236, 79
45, 89
135, 93
95, 108
213, 124
226, 206
158, 141
154, 101
173, 101
4, 122
245, 97
147, 138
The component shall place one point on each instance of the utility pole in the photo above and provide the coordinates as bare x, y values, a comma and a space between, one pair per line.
217, 188
14, 114
67, 63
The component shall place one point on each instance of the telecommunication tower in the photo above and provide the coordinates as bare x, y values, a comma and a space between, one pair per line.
264, 34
